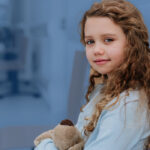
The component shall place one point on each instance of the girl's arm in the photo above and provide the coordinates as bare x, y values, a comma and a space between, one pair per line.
46, 144
117, 131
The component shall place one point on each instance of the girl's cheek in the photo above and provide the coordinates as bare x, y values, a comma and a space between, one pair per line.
88, 51
89, 58
87, 55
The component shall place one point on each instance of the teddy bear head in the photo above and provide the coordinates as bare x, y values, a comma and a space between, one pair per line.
65, 135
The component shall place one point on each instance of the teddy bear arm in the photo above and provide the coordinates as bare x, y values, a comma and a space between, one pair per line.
44, 135
78, 146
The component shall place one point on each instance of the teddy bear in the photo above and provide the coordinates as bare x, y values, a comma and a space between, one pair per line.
65, 136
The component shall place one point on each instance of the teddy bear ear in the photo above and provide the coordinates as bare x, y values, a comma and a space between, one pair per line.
67, 122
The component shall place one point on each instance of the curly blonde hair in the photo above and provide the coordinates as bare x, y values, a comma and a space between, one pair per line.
134, 73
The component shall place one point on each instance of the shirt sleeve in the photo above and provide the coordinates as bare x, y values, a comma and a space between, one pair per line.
46, 144
117, 129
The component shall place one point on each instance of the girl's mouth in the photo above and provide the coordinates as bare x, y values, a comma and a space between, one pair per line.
101, 61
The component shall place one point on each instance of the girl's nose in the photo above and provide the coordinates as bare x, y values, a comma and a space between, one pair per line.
98, 50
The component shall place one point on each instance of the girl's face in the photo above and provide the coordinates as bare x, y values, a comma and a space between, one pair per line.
105, 44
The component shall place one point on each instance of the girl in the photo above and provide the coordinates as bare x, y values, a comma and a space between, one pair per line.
116, 116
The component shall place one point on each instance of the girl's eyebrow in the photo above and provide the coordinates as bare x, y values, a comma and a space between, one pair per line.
108, 34
103, 35
86, 37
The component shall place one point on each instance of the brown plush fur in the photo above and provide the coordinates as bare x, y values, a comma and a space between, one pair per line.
65, 136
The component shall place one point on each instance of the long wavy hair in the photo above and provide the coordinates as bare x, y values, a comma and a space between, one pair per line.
134, 73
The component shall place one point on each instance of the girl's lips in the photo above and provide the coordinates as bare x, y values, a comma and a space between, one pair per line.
101, 61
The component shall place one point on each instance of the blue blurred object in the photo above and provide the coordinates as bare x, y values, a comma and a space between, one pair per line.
21, 149
12, 61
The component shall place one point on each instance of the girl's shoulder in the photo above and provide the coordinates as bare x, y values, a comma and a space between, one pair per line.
132, 96
96, 91
129, 108
93, 97
129, 96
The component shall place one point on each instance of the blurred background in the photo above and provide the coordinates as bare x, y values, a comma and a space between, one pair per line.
43, 69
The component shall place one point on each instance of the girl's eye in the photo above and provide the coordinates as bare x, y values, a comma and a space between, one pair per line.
108, 40
89, 42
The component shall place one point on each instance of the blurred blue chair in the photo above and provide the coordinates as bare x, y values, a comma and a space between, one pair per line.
77, 86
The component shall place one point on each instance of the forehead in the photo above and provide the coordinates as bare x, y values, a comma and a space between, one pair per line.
101, 25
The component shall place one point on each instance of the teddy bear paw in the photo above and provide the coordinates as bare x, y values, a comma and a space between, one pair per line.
36, 142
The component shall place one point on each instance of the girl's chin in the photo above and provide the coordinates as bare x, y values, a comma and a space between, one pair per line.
103, 72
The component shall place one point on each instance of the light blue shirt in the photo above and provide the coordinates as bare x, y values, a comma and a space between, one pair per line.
123, 127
